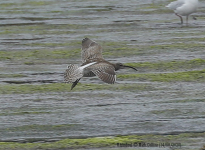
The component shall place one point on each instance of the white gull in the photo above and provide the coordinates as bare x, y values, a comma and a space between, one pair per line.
183, 8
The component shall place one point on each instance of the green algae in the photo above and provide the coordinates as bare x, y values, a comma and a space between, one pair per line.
27, 88
95, 142
63, 87
22, 112
184, 101
12, 75
40, 128
169, 112
39, 28
28, 110
70, 49
50, 51
184, 39
169, 65
9, 5
34, 55
188, 76
176, 46
36, 3
108, 141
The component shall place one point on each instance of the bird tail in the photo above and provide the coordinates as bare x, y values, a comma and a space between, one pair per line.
73, 73
174, 5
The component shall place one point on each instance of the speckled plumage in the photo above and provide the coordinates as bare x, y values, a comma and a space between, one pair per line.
93, 64
75, 72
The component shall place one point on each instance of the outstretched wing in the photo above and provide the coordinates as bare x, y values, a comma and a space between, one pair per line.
90, 50
105, 72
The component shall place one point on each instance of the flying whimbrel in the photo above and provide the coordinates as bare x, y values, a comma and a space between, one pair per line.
93, 64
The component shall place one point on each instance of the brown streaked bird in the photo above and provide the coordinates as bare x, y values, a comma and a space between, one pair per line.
93, 64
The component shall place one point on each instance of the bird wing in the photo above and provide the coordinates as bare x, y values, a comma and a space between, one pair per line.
90, 50
176, 4
105, 72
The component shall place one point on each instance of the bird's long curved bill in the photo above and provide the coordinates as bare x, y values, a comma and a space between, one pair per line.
130, 67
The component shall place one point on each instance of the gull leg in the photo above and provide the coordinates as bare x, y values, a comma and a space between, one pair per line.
187, 17
180, 18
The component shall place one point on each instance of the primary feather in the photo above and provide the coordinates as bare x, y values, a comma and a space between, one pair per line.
90, 50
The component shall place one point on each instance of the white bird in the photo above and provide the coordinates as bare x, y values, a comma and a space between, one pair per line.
183, 8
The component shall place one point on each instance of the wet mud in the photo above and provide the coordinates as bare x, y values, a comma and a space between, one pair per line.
165, 97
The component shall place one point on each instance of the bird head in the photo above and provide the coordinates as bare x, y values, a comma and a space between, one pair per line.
121, 66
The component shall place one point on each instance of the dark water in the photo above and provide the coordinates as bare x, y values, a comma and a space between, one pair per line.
162, 108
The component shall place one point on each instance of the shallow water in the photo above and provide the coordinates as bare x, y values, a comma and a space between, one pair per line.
165, 107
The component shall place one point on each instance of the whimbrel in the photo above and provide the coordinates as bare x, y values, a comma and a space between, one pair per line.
183, 8
93, 64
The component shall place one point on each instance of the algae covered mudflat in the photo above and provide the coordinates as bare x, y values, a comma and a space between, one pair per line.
111, 142
162, 103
